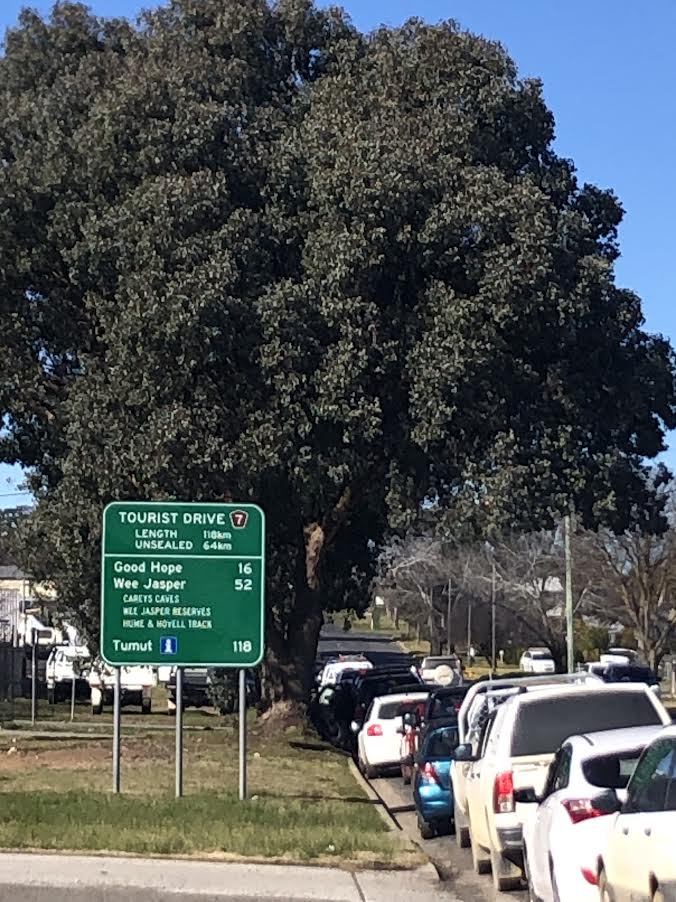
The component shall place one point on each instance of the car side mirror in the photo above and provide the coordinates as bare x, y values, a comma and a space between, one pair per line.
526, 796
607, 802
355, 726
463, 753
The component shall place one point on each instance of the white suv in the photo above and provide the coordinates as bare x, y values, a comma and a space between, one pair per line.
518, 746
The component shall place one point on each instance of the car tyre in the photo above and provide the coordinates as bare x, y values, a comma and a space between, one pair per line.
480, 861
97, 709
461, 832
503, 883
556, 897
51, 696
532, 895
427, 830
146, 705
605, 893
406, 776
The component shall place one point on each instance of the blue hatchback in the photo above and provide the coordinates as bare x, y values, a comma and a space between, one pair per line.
432, 788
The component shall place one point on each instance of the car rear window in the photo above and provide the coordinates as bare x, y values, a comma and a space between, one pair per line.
630, 674
440, 743
543, 723
390, 710
611, 771
541, 656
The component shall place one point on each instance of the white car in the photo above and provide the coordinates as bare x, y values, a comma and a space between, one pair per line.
537, 660
66, 664
638, 863
329, 675
564, 839
136, 684
482, 698
442, 670
379, 739
517, 750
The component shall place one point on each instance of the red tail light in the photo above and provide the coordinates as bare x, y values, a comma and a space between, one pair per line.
503, 793
374, 730
457, 706
590, 876
581, 810
429, 774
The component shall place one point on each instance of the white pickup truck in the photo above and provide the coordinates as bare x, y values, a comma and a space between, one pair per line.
481, 700
137, 685
65, 664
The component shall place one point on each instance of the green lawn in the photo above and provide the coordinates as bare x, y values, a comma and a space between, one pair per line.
304, 802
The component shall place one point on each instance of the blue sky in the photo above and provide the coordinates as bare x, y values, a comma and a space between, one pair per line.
609, 74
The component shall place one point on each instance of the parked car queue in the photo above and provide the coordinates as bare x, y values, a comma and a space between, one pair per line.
543, 776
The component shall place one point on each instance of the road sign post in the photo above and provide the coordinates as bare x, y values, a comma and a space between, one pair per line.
242, 735
182, 584
179, 732
117, 707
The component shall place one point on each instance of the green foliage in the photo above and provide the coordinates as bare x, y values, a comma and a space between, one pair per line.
247, 252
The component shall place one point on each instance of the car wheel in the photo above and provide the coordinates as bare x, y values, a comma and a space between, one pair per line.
427, 831
532, 895
504, 878
371, 773
406, 776
97, 709
605, 893
461, 831
480, 861
146, 705
556, 897
51, 697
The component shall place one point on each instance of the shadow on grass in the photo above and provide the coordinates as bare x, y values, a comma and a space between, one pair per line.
317, 746
318, 797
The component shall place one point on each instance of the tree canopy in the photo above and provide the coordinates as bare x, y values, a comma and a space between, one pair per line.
247, 252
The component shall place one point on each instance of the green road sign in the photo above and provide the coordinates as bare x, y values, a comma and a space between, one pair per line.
182, 584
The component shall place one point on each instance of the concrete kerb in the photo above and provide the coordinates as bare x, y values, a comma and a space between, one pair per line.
373, 796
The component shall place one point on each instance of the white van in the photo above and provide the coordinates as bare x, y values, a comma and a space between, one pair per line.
137, 685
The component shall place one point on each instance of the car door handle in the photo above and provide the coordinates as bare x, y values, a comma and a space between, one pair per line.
648, 831
625, 830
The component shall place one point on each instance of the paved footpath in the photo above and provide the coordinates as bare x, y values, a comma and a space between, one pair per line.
59, 878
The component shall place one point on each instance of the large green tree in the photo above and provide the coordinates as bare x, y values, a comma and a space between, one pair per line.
247, 252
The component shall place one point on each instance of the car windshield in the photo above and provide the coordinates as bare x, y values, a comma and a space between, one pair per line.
440, 743
543, 723
611, 771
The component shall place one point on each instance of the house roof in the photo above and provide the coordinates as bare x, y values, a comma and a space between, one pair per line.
11, 571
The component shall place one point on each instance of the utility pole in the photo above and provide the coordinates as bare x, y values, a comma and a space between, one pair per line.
570, 632
493, 614
448, 618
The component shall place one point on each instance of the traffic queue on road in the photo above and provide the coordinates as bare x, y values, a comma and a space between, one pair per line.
563, 785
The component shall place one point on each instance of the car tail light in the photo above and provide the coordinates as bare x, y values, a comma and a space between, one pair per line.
457, 706
590, 876
374, 730
581, 810
503, 793
428, 773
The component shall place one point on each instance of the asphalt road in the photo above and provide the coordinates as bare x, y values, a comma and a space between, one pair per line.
377, 647
452, 862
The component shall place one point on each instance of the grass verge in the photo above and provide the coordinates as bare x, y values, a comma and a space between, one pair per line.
305, 805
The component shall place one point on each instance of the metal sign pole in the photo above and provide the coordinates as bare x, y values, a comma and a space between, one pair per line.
179, 732
242, 735
72, 699
34, 678
116, 728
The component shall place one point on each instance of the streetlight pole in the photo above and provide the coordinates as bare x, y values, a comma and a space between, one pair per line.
493, 658
570, 630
